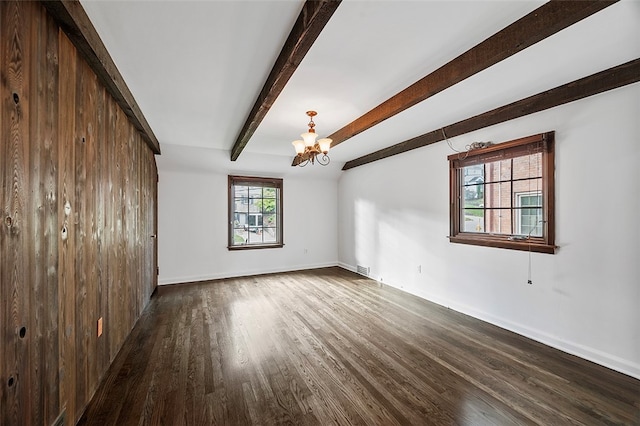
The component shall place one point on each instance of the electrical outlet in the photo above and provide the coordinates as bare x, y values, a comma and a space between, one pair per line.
419, 269
99, 326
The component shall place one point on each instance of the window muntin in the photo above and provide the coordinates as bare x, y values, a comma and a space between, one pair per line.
255, 212
502, 195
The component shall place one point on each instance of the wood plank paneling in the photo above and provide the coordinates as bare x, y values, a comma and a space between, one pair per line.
43, 330
111, 236
77, 25
79, 234
99, 183
16, 250
66, 229
4, 393
76, 215
118, 247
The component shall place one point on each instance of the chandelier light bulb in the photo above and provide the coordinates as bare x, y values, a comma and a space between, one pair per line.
325, 145
309, 138
298, 146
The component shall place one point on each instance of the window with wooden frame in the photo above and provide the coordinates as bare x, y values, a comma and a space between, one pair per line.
255, 213
503, 195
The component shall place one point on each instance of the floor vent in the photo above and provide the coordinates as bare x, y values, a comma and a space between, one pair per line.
363, 270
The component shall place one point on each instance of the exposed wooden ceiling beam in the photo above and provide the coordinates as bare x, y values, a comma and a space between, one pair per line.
543, 22
312, 19
612, 78
74, 21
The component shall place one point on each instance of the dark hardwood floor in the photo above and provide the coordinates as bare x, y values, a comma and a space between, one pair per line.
331, 347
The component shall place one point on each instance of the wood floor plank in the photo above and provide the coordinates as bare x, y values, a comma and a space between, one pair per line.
381, 334
328, 347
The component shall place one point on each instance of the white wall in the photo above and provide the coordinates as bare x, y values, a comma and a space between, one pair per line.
192, 222
394, 218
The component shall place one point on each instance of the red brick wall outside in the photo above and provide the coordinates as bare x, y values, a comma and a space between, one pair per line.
503, 194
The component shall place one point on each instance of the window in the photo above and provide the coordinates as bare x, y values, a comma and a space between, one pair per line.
503, 195
255, 212
529, 213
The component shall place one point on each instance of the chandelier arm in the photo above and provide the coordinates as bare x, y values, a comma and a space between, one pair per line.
323, 159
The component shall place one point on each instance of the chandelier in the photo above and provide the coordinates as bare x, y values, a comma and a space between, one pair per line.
308, 150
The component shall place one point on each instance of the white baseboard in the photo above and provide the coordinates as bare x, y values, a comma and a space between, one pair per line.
243, 273
347, 267
590, 354
602, 358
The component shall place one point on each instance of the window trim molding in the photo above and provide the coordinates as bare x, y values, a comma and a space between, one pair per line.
544, 244
234, 179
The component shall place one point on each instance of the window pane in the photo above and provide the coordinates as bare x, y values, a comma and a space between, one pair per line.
239, 237
241, 203
269, 235
255, 192
267, 205
499, 221
269, 220
473, 220
473, 174
255, 235
527, 166
498, 195
240, 223
240, 214
528, 186
531, 222
269, 192
473, 196
531, 200
241, 191
498, 171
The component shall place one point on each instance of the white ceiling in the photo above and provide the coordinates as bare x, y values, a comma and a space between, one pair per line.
195, 68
